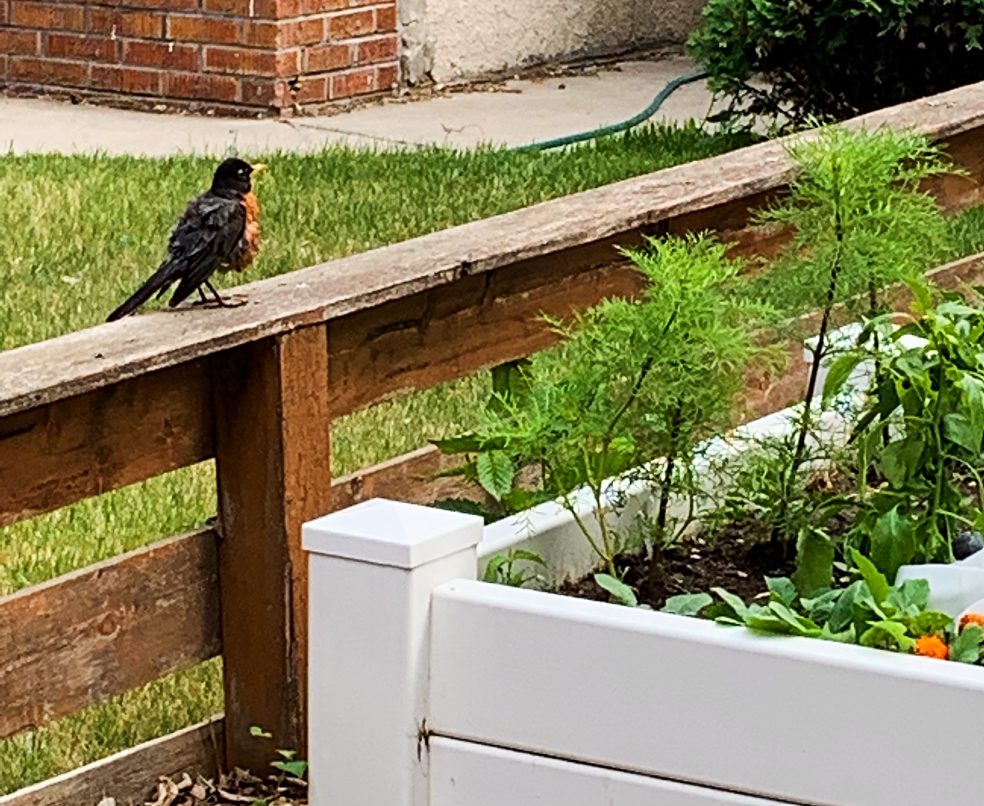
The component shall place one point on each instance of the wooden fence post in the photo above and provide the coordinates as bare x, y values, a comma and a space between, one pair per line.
273, 459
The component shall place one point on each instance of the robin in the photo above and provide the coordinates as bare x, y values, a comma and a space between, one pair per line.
219, 230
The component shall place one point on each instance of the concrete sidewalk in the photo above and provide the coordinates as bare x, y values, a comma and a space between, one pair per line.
523, 112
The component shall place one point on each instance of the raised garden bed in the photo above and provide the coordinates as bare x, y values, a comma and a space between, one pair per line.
448, 690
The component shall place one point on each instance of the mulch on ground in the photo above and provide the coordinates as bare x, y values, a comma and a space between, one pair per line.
234, 788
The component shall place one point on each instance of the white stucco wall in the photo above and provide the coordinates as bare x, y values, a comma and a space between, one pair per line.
455, 39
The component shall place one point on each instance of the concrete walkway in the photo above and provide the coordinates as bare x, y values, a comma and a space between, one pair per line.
525, 111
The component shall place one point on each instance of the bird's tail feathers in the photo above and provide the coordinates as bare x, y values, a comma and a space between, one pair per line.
159, 281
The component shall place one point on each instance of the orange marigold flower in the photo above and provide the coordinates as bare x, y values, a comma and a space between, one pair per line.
932, 646
972, 618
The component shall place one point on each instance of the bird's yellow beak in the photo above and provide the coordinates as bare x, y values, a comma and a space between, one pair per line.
259, 168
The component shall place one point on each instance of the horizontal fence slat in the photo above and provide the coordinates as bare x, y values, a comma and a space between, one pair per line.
411, 477
79, 362
421, 341
108, 628
62, 452
131, 775
678, 698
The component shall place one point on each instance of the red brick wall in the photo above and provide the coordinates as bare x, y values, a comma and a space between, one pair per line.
232, 55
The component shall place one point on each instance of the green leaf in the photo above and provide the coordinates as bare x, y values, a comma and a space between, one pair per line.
814, 562
767, 622
495, 473
256, 730
687, 604
900, 460
620, 592
494, 568
893, 544
798, 624
887, 635
842, 613
295, 769
911, 597
738, 607
973, 389
820, 606
527, 556
839, 372
930, 621
510, 383
876, 581
782, 589
465, 443
966, 647
959, 429
848, 636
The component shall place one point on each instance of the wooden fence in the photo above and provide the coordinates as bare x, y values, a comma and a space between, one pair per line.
257, 388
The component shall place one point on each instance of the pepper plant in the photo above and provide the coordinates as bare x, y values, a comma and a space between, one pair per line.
929, 400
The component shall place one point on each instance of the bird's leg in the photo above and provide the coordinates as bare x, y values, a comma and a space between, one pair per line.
215, 293
223, 303
203, 300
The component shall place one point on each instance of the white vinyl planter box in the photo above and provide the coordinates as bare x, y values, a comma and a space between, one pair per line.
429, 688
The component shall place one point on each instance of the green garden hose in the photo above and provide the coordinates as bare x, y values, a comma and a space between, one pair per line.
625, 125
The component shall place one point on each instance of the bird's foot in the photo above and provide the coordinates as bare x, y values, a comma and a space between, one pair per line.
230, 302
220, 302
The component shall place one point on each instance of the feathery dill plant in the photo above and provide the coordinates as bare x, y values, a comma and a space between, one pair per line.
632, 381
860, 224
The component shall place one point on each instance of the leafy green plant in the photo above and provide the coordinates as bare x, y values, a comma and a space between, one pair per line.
288, 763
631, 380
508, 568
860, 223
620, 592
837, 58
869, 612
921, 435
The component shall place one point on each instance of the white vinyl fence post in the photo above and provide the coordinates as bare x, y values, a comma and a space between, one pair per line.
372, 569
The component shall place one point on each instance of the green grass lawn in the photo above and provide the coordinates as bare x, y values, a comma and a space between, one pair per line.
80, 233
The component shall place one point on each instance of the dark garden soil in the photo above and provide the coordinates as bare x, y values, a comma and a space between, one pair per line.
733, 561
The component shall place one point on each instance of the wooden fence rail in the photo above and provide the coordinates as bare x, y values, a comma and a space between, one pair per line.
256, 388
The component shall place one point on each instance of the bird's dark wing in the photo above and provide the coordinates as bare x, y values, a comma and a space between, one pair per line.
205, 238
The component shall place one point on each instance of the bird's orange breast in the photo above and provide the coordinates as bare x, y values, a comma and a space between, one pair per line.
251, 235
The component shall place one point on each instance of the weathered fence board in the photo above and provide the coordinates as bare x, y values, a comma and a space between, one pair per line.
105, 629
447, 333
129, 776
82, 446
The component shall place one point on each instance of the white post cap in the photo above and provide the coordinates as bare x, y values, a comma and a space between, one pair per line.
384, 532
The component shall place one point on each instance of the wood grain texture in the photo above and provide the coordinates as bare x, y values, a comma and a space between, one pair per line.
105, 629
411, 477
436, 336
273, 459
61, 452
38, 374
130, 776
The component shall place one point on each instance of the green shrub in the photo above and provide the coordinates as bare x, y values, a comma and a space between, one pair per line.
838, 58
